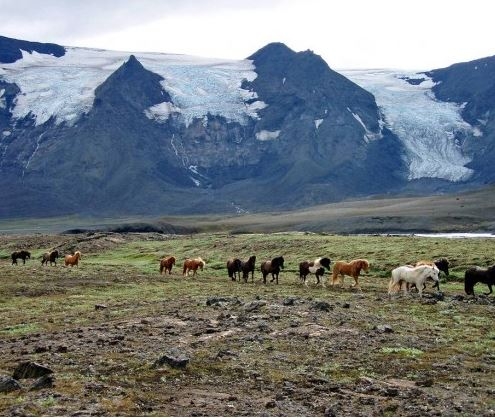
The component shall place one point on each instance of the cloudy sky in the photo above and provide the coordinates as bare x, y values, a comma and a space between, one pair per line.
415, 35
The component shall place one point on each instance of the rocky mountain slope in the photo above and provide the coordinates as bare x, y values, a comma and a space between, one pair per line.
111, 133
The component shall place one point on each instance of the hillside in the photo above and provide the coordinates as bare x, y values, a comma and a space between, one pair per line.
97, 133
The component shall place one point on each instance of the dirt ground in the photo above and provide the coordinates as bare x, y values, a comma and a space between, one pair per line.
244, 349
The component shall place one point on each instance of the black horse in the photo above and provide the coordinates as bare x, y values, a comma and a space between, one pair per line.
442, 265
477, 274
20, 254
50, 257
272, 267
247, 267
234, 268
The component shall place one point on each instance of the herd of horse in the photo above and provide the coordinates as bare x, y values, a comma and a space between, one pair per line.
403, 277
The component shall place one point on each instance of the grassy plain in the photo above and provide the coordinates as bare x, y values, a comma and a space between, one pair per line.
254, 349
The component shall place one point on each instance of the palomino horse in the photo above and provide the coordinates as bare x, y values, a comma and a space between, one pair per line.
353, 269
23, 254
234, 268
272, 267
316, 267
50, 257
417, 275
166, 264
248, 266
477, 274
192, 264
73, 260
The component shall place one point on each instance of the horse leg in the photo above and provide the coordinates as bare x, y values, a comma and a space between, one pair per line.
342, 281
356, 282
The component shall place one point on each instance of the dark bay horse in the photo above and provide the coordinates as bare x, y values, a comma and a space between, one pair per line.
166, 264
272, 267
248, 266
23, 254
477, 274
234, 268
50, 257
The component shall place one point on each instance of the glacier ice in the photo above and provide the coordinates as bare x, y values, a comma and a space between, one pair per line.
428, 128
63, 88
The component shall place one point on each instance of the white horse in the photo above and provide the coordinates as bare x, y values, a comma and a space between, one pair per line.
413, 275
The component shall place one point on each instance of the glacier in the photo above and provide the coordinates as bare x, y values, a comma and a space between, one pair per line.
429, 129
64, 87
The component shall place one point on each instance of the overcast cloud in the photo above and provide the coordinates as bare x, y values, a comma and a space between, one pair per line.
423, 34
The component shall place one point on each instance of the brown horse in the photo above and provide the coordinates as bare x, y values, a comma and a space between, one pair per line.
50, 257
73, 260
248, 266
272, 267
234, 268
166, 264
353, 269
23, 254
192, 264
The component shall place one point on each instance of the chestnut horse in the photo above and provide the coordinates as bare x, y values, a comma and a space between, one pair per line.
167, 264
272, 267
73, 260
248, 266
192, 264
353, 269
20, 254
50, 257
233, 268
317, 267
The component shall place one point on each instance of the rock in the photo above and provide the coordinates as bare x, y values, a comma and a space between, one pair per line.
290, 301
346, 305
8, 384
99, 307
30, 369
43, 382
387, 329
254, 305
322, 306
173, 359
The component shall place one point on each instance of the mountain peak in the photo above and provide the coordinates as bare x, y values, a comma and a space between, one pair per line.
133, 84
10, 49
274, 50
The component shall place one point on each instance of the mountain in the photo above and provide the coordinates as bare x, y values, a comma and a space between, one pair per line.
108, 133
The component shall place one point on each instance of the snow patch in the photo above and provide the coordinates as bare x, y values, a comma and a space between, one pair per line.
3, 101
429, 129
318, 122
161, 111
267, 135
368, 135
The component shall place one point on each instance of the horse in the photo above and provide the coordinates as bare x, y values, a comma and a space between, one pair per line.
477, 274
166, 264
233, 268
317, 267
248, 266
50, 257
73, 260
353, 269
20, 254
417, 275
192, 264
272, 267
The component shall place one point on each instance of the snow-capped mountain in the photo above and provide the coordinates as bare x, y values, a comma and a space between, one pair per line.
95, 131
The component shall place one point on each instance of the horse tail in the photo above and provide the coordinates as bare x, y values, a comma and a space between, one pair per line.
469, 282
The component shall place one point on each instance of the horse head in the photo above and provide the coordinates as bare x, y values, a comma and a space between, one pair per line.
443, 265
278, 261
325, 262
